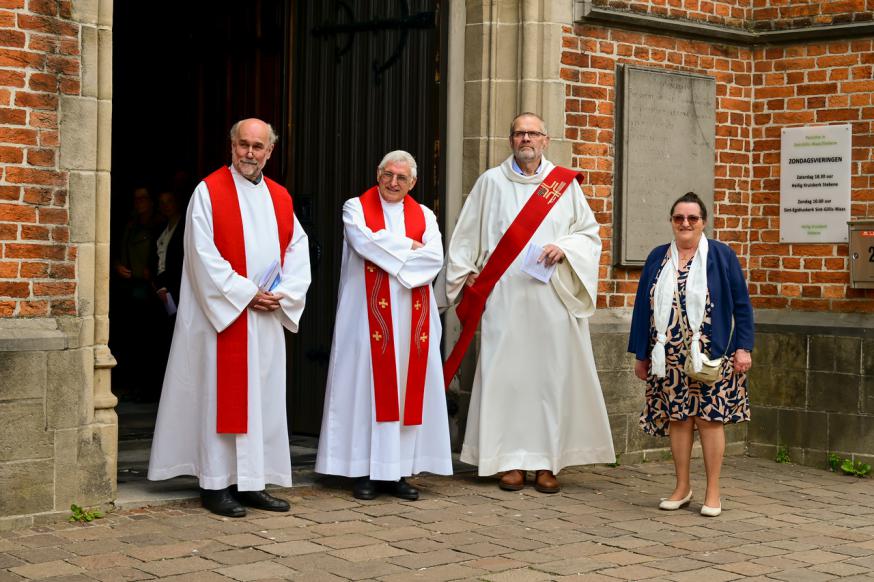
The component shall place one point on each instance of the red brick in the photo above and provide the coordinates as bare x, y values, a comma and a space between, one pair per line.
70, 86
8, 231
41, 157
8, 269
54, 289
47, 25
46, 7
44, 119
10, 155
14, 289
62, 271
33, 308
40, 196
36, 100
63, 307
31, 232
34, 270
21, 59
17, 213
7, 308
837, 115
52, 216
43, 82
35, 251
11, 78
17, 135
10, 192
34, 176
13, 116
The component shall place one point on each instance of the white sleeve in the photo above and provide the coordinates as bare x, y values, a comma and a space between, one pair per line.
295, 279
385, 249
423, 264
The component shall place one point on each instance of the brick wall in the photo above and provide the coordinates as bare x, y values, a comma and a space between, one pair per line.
817, 83
590, 56
724, 12
783, 14
759, 92
39, 60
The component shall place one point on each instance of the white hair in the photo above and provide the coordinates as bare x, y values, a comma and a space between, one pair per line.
398, 157
271, 135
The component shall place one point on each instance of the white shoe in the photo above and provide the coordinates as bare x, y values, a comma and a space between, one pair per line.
711, 511
670, 505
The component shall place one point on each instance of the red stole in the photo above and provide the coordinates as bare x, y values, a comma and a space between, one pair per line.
232, 377
473, 300
382, 351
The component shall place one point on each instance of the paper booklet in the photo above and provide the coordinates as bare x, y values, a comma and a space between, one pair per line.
270, 278
539, 271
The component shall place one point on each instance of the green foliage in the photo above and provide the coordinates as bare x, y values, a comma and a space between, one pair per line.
667, 456
855, 468
782, 455
848, 466
615, 464
83, 515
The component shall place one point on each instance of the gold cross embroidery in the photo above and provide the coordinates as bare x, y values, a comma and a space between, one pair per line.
371, 268
424, 337
417, 305
383, 303
551, 192
377, 336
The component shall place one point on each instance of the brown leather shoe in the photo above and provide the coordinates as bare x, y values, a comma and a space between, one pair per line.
513, 480
545, 482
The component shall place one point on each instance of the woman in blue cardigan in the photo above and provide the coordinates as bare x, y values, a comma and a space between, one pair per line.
692, 301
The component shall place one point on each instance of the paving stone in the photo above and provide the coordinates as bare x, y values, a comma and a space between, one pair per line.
293, 548
428, 560
257, 571
369, 553
120, 575
177, 566
46, 570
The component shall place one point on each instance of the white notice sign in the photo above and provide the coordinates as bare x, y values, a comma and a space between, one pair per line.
815, 183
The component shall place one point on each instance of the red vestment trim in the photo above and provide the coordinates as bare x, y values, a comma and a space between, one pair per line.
232, 374
382, 352
473, 300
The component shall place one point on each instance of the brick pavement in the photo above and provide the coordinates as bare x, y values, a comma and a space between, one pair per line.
781, 522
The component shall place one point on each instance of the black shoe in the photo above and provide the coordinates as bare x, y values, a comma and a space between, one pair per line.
260, 500
220, 502
364, 489
401, 489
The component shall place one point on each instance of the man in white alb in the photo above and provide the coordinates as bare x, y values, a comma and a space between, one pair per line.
385, 406
222, 411
536, 403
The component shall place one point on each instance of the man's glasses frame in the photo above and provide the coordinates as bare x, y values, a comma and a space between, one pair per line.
389, 176
531, 134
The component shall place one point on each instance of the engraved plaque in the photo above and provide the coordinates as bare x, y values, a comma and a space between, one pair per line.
667, 121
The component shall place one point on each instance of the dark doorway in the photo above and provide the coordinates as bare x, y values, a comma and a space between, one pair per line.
366, 82
339, 99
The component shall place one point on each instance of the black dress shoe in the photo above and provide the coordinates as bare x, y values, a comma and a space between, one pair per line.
260, 500
220, 502
364, 489
401, 489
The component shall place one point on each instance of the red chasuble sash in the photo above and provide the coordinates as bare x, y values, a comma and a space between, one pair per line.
473, 300
382, 351
232, 385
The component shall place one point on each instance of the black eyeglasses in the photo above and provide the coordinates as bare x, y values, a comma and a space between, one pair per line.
680, 219
531, 134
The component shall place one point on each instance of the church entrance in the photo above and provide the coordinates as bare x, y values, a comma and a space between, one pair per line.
342, 82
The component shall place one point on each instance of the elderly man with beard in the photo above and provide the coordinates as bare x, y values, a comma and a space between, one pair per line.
527, 242
244, 278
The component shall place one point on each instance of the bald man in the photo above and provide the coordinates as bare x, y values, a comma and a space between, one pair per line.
244, 278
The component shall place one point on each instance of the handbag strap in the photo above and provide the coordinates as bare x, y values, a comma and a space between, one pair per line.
683, 322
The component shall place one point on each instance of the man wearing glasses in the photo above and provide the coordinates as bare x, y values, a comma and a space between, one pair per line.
527, 242
385, 407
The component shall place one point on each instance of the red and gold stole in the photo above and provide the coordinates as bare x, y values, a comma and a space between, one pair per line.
473, 300
382, 351
232, 374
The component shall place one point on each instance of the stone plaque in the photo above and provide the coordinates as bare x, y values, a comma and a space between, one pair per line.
667, 125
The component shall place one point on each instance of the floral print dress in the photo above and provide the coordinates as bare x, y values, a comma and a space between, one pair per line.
677, 397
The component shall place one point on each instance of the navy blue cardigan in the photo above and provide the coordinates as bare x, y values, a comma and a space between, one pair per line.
728, 294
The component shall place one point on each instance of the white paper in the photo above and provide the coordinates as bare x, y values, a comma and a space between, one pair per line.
170, 304
269, 279
539, 271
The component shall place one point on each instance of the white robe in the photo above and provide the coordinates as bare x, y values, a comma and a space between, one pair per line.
212, 297
536, 400
351, 442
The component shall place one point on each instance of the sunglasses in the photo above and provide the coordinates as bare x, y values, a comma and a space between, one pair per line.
679, 219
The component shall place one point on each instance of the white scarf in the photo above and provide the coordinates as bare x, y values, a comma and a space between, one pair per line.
696, 301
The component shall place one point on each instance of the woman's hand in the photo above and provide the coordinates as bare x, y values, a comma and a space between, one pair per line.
743, 361
641, 369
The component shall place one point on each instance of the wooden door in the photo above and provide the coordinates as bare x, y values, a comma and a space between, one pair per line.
365, 82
